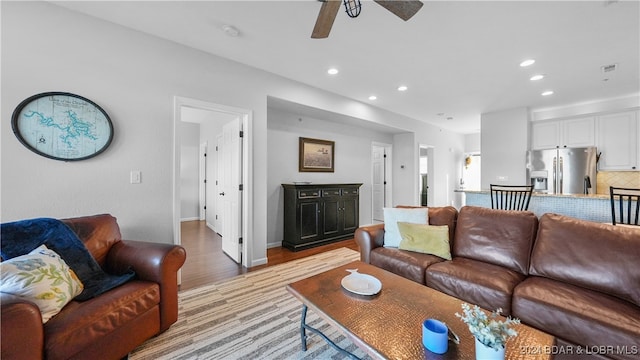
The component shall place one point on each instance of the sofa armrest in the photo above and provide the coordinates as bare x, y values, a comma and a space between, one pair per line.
21, 327
368, 238
152, 262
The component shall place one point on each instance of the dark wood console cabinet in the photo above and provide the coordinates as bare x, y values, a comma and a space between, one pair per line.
318, 214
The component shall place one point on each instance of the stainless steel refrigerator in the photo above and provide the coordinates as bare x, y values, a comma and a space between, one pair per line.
562, 170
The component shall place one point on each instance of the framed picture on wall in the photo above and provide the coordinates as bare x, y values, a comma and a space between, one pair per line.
316, 155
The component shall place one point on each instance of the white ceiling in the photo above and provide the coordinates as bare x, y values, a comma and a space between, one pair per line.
458, 58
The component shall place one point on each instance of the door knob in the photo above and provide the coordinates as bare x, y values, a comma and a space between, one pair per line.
222, 193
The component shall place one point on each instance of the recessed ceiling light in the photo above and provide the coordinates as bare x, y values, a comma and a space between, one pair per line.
547, 93
536, 77
528, 62
402, 88
230, 30
332, 71
372, 97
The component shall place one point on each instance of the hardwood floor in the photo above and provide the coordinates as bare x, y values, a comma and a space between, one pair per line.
206, 263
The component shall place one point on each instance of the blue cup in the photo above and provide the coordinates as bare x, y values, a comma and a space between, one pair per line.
435, 336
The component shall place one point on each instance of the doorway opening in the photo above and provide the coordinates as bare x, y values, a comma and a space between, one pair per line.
213, 116
425, 171
471, 172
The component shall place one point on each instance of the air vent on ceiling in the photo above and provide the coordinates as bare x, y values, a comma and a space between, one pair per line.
609, 68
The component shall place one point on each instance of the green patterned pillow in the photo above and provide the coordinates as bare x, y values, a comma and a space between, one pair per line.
41, 277
428, 239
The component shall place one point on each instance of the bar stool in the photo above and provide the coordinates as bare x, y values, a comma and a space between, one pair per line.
510, 197
628, 210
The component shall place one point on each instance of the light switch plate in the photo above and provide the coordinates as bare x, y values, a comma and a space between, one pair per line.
136, 177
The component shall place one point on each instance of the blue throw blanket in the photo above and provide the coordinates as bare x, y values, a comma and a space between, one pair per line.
21, 237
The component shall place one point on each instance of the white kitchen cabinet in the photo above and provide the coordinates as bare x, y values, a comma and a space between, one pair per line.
575, 132
617, 140
578, 132
545, 135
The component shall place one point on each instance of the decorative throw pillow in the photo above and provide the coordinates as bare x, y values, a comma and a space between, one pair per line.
428, 239
41, 277
393, 215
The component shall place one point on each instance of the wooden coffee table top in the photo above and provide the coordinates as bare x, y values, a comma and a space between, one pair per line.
389, 324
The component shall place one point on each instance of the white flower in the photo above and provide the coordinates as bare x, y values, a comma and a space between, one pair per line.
488, 330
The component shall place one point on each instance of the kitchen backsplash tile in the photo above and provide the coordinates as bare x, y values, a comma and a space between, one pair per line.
627, 179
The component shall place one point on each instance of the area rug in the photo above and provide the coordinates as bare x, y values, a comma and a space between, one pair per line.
251, 316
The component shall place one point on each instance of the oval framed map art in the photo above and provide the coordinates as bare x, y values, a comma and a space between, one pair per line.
62, 126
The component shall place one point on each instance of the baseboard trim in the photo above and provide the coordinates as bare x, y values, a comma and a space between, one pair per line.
274, 244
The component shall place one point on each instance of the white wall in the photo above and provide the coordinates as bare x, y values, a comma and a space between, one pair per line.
135, 78
406, 170
504, 140
472, 143
189, 172
352, 161
586, 108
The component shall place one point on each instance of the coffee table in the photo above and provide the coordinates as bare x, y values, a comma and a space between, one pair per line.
389, 325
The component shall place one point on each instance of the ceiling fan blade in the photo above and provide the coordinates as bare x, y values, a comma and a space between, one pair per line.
404, 9
324, 22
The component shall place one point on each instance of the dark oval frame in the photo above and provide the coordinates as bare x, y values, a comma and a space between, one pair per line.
16, 130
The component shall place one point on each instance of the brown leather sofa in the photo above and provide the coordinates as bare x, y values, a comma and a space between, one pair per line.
411, 265
486, 242
584, 285
574, 279
112, 324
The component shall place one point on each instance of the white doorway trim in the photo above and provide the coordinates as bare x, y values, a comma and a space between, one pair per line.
247, 168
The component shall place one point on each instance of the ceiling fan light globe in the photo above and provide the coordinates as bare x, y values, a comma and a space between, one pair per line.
352, 7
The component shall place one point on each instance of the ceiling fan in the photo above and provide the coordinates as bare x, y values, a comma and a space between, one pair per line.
404, 9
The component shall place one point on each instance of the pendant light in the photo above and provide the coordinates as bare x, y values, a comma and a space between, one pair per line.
352, 7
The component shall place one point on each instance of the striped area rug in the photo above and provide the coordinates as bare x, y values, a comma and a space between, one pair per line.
251, 316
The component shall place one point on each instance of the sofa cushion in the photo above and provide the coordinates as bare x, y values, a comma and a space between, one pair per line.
41, 277
499, 237
440, 215
596, 256
392, 216
98, 233
487, 285
424, 238
81, 324
408, 264
579, 315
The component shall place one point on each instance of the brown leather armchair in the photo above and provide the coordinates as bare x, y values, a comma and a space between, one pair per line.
112, 324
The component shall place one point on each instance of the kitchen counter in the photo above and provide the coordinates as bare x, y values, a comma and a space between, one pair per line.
589, 196
592, 207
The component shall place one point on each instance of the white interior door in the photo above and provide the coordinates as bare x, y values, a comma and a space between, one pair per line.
231, 194
378, 182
